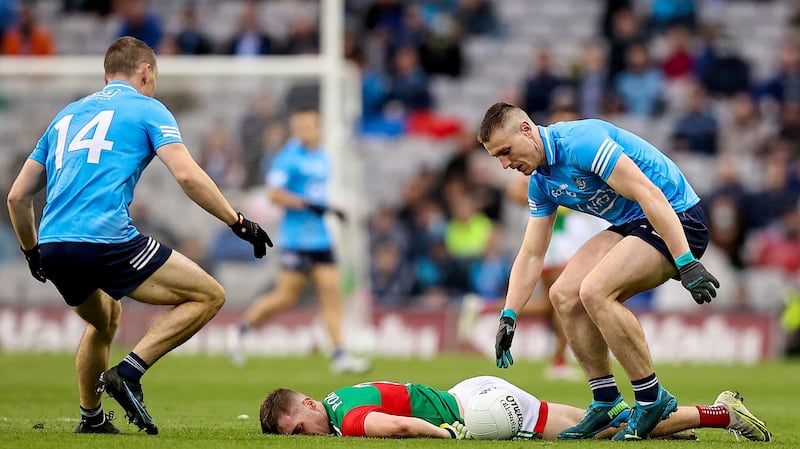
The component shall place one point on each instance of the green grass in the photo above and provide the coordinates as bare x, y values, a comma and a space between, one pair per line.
197, 401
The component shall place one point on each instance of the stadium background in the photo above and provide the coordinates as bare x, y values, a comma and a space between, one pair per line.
419, 76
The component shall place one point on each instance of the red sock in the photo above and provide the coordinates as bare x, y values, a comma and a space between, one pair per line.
713, 416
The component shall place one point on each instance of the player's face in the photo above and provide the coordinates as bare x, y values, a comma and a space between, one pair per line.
306, 419
515, 147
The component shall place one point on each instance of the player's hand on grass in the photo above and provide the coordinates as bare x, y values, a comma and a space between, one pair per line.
505, 334
457, 431
251, 232
35, 263
699, 282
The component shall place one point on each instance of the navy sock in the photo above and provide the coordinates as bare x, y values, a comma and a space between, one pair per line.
604, 389
94, 417
646, 390
338, 352
243, 329
132, 367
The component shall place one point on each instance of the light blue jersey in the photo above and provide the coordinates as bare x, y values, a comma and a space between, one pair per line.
94, 152
581, 156
304, 173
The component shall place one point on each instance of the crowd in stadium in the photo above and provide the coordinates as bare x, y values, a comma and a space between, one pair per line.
735, 134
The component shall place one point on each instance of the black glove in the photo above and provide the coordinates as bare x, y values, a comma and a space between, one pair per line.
699, 282
505, 334
251, 232
319, 209
35, 263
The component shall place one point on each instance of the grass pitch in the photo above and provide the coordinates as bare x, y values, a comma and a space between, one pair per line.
200, 402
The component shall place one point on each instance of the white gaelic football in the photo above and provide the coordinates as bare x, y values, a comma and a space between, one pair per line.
493, 414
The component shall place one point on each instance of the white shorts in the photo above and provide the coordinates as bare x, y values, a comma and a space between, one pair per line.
578, 229
534, 411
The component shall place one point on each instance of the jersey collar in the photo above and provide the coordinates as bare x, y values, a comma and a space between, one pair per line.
549, 147
118, 83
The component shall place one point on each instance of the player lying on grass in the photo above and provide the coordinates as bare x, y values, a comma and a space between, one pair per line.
398, 410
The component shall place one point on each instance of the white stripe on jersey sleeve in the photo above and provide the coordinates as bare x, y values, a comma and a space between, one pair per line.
603, 155
170, 131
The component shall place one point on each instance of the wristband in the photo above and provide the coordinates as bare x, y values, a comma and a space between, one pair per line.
449, 430
508, 313
685, 259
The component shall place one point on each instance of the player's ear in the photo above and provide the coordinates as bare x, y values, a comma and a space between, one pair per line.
308, 402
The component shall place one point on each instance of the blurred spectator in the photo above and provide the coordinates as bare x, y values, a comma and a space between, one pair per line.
466, 147
487, 195
625, 31
771, 201
722, 70
744, 132
409, 83
784, 85
138, 21
221, 159
440, 50
778, 245
9, 10
191, 39
698, 126
392, 278
385, 227
640, 85
540, 84
478, 18
468, 230
441, 278
428, 228
610, 9
101, 8
668, 13
591, 79
303, 36
259, 116
725, 208
27, 37
679, 60
488, 276
249, 39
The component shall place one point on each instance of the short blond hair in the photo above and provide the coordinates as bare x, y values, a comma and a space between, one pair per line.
125, 54
496, 117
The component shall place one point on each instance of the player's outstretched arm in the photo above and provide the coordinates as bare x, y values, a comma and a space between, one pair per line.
198, 186
382, 425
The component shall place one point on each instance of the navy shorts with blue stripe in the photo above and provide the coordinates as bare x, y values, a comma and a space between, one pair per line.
78, 268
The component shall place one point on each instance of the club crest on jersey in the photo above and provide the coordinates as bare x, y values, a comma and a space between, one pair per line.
579, 182
561, 190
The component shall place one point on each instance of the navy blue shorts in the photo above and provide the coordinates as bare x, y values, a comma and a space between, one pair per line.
305, 260
694, 224
77, 268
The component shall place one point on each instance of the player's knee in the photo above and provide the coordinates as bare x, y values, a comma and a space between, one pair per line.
591, 296
563, 297
216, 297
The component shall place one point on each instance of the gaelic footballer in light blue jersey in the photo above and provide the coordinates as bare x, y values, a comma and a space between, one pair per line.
304, 172
93, 164
658, 231
90, 158
582, 154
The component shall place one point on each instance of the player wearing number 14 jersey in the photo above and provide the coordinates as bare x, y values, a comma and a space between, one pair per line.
90, 158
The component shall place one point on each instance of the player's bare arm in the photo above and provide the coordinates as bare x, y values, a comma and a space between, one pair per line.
630, 182
287, 199
30, 180
382, 425
527, 267
195, 182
